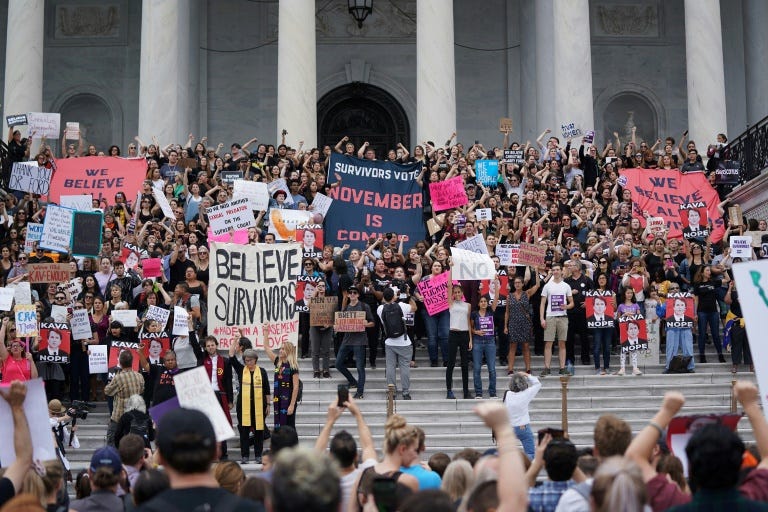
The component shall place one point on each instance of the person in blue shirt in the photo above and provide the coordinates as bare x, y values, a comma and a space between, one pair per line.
427, 478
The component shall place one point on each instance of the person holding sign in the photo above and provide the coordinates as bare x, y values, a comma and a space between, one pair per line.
631, 343
15, 362
556, 300
286, 381
484, 342
459, 338
355, 342
600, 319
253, 399
705, 289
517, 321
679, 328
320, 339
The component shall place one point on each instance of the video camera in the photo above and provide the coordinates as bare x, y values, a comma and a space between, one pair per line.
78, 410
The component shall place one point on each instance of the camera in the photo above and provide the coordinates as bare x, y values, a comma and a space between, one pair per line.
78, 410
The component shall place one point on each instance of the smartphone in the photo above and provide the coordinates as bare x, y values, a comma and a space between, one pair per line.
343, 392
385, 494
554, 432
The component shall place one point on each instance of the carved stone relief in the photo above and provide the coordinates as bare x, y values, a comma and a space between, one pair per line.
634, 20
92, 21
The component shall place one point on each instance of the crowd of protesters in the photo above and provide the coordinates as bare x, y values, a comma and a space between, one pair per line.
566, 196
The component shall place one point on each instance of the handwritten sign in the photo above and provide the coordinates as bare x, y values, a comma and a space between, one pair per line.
349, 321
72, 130
509, 254
469, 265
532, 255
6, 299
180, 321
48, 272
81, 202
435, 293
321, 204
127, 317
159, 314
97, 359
741, 247
505, 124
229, 177
44, 124
34, 233
153, 267
235, 214
483, 214
256, 191
57, 229
321, 311
487, 172
475, 244
194, 391
28, 177
16, 120
81, 326
26, 320
448, 194
656, 225
735, 216
569, 130
22, 292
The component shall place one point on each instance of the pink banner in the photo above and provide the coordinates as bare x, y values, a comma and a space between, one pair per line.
448, 194
152, 267
435, 293
238, 237
101, 176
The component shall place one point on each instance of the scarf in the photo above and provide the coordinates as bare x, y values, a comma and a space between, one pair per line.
252, 385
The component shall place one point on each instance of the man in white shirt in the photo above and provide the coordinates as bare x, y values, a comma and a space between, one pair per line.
556, 300
398, 349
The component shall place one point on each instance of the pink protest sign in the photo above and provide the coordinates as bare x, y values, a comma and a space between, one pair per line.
153, 267
448, 194
435, 292
240, 236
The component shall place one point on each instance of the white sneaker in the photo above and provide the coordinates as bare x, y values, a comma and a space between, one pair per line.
620, 372
637, 371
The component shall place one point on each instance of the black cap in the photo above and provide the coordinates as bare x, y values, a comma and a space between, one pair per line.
182, 429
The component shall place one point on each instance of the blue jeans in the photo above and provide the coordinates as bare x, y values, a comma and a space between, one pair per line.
438, 327
601, 340
525, 435
713, 319
679, 339
484, 346
359, 351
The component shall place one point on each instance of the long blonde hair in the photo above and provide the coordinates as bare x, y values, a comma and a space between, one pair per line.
290, 355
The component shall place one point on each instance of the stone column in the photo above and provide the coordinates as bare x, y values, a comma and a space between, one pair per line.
168, 82
24, 58
297, 72
705, 71
435, 71
755, 13
545, 68
573, 62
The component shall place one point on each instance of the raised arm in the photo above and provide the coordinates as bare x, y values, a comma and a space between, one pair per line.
267, 348
22, 440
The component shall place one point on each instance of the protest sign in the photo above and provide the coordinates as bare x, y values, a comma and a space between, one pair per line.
320, 205
26, 320
757, 237
487, 172
100, 176
532, 255
752, 284
373, 198
163, 203
153, 267
321, 311
598, 305
72, 130
39, 425
98, 360
118, 346
16, 120
735, 216
194, 391
656, 225
156, 412
693, 217
728, 172
468, 265
513, 156
349, 321
741, 247
239, 236
81, 325
659, 192
508, 254
130, 255
485, 324
81, 202
22, 293
283, 223
127, 317
156, 344
28, 177
483, 214
256, 191
55, 342
474, 243
280, 184
251, 285
682, 428
44, 124
229, 177
59, 313
34, 233
74, 287
305, 290
48, 272
6, 299
180, 322
448, 194
234, 214
432, 226
569, 130
633, 333
505, 124
159, 314
57, 229
86, 233
435, 292
679, 311
310, 236
589, 137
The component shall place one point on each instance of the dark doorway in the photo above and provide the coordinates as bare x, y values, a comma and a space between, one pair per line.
363, 113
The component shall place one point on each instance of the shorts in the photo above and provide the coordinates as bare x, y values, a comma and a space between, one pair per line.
556, 326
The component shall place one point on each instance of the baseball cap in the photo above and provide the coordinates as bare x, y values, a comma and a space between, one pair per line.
106, 457
182, 429
355, 288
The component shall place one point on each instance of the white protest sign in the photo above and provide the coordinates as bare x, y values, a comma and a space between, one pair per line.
75, 287
127, 317
508, 254
6, 299
752, 283
81, 202
483, 214
159, 314
570, 130
97, 359
194, 390
279, 184
741, 247
468, 265
34, 233
656, 224
232, 215
72, 130
81, 325
180, 321
28, 177
44, 124
475, 244
36, 411
163, 203
321, 204
57, 229
283, 222
22, 293
59, 313
256, 191
26, 320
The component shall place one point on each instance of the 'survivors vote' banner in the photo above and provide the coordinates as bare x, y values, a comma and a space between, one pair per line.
661, 192
250, 286
100, 176
374, 197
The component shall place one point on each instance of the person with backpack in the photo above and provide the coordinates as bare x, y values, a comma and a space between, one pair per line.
397, 345
135, 420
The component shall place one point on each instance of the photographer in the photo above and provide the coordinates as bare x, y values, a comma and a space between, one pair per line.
63, 436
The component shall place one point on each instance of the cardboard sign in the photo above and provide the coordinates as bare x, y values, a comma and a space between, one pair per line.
468, 265
16, 120
127, 317
532, 255
509, 254
22, 293
505, 124
321, 310
693, 217
728, 172
321, 204
680, 311
34, 233
229, 177
569, 130
153, 267
194, 391
86, 233
28, 177
6, 299
349, 321
45, 124
633, 334
98, 362
36, 410
25, 316
180, 321
735, 216
432, 226
599, 308
757, 237
474, 244
283, 223
163, 203
235, 214
57, 229
487, 172
81, 326
483, 214
159, 314
72, 130
448, 194
741, 247
48, 272
256, 191
514, 156
55, 343
81, 202
434, 289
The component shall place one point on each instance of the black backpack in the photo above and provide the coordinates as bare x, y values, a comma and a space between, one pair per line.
392, 320
139, 426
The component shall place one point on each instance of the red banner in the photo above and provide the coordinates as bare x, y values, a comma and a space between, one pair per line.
660, 193
100, 176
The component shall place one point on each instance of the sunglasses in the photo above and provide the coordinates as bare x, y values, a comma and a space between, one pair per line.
353, 292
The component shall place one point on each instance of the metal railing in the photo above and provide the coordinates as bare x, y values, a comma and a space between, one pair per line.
751, 149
